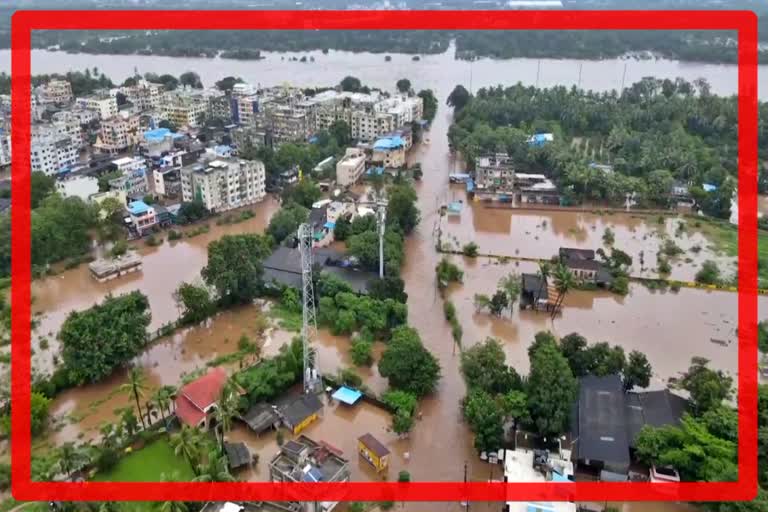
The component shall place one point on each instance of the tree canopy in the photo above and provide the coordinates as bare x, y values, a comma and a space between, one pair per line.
234, 266
408, 365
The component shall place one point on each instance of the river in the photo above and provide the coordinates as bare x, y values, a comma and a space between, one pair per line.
669, 327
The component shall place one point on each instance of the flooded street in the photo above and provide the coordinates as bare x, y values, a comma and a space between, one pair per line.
669, 327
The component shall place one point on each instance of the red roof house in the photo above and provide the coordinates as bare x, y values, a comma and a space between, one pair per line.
196, 400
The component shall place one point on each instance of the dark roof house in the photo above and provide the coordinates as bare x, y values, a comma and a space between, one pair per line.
237, 454
261, 417
607, 420
301, 409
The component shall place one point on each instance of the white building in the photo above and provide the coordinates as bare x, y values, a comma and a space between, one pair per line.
68, 124
104, 105
350, 167
142, 216
145, 95
134, 181
52, 154
78, 186
519, 467
118, 134
5, 148
224, 183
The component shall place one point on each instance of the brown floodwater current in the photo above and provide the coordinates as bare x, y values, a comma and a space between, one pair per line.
669, 327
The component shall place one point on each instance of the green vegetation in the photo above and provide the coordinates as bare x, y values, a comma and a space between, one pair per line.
693, 143
551, 387
470, 250
193, 211
346, 313
194, 302
83, 82
447, 273
709, 273
430, 104
273, 376
122, 320
286, 221
408, 365
403, 405
149, 464
234, 266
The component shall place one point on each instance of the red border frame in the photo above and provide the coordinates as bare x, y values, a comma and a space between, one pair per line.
745, 22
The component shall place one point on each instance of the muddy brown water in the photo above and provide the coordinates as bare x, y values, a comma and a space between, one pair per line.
669, 328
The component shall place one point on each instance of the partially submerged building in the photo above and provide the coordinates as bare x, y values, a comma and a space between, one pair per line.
606, 421
584, 266
494, 175
197, 401
105, 269
304, 460
300, 413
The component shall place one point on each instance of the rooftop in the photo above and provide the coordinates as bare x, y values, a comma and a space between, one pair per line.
387, 143
195, 397
302, 408
374, 445
138, 208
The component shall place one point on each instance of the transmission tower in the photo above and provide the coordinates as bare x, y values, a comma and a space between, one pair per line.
381, 215
309, 321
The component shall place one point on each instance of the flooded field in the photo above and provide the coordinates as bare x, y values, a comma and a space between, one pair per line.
669, 327
540, 234
165, 267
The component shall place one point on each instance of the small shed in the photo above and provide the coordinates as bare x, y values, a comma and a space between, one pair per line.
347, 395
238, 455
373, 451
301, 412
261, 417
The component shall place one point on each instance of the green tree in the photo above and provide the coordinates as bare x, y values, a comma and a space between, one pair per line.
408, 365
447, 273
286, 221
400, 400
135, 387
391, 287
191, 79
401, 208
234, 266
343, 228
470, 249
709, 273
305, 193
499, 302
192, 211
188, 443
483, 366
402, 422
545, 270
194, 302
485, 420
172, 506
214, 469
510, 284
430, 104
708, 388
122, 320
227, 83
551, 390
638, 371
361, 353
403, 85
351, 84
340, 131
564, 282
459, 98
39, 404
41, 186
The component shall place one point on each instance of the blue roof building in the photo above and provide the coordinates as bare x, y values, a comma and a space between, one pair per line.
138, 208
540, 139
159, 135
389, 143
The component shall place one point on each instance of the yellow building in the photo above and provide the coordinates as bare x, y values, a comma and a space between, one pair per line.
300, 413
373, 451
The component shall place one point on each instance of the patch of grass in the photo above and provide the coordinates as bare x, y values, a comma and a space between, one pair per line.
287, 320
725, 240
149, 464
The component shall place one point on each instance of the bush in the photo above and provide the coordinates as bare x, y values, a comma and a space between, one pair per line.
175, 235
664, 267
709, 273
119, 248
107, 459
348, 377
5, 477
153, 241
361, 353
620, 285
449, 310
470, 249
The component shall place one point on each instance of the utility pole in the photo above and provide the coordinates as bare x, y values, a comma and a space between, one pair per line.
381, 215
538, 72
581, 64
623, 78
466, 502
309, 321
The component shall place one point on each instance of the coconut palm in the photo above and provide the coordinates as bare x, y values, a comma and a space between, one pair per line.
226, 410
162, 399
564, 282
545, 270
215, 469
135, 387
173, 506
188, 443
71, 459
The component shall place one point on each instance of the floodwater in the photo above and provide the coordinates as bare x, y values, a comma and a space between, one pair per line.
669, 328
539, 233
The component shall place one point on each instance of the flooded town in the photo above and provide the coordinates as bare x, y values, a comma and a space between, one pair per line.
328, 266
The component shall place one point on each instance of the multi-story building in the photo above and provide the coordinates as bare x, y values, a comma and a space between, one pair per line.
118, 134
224, 183
57, 91
133, 180
350, 167
219, 105
51, 153
304, 460
186, 108
145, 95
167, 177
5, 148
158, 141
78, 186
494, 174
67, 124
103, 104
142, 215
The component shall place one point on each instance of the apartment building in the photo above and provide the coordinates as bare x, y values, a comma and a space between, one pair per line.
145, 95
52, 153
142, 216
118, 134
5, 147
133, 181
219, 105
78, 186
224, 183
494, 174
350, 167
57, 91
187, 109
103, 104
67, 124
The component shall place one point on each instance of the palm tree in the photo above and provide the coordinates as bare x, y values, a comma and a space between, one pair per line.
215, 469
545, 270
226, 410
71, 458
173, 506
564, 282
188, 443
135, 387
162, 400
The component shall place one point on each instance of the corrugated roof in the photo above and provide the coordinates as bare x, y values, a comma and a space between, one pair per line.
373, 444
